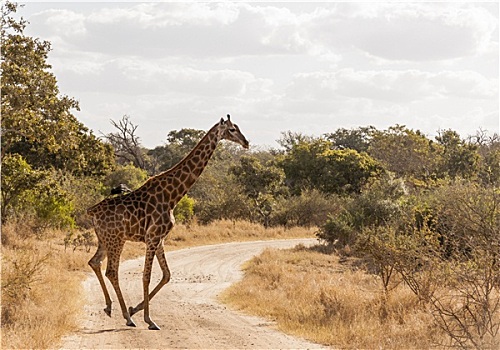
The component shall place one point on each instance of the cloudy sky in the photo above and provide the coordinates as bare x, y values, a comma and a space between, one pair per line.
277, 66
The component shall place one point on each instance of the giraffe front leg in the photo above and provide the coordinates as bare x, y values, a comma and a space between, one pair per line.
148, 264
112, 275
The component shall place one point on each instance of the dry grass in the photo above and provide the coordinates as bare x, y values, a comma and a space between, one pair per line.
222, 231
41, 293
41, 278
312, 295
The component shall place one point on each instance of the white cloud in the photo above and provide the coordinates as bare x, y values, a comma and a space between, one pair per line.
309, 67
134, 76
154, 15
389, 85
413, 32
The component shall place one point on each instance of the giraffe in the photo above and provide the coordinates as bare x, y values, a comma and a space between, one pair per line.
146, 215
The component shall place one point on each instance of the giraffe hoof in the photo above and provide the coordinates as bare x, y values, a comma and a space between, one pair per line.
131, 323
107, 310
131, 311
154, 327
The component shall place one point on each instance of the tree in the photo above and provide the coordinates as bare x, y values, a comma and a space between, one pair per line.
489, 153
128, 175
262, 183
36, 120
357, 139
185, 139
345, 171
17, 178
406, 152
314, 165
33, 194
126, 143
460, 158
302, 165
290, 139
179, 144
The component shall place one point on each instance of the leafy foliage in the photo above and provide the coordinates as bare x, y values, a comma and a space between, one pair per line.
357, 139
378, 204
261, 183
18, 177
36, 120
406, 152
35, 193
129, 175
184, 211
460, 158
309, 209
346, 171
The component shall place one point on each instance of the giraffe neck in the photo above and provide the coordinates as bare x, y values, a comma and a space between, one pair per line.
184, 174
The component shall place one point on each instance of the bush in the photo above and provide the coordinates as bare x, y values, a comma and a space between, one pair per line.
18, 278
310, 208
128, 175
223, 206
448, 254
84, 192
52, 204
378, 204
17, 178
337, 230
184, 211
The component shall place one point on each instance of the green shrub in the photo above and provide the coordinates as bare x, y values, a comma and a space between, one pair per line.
52, 206
184, 210
379, 203
18, 178
338, 230
36, 195
128, 175
310, 208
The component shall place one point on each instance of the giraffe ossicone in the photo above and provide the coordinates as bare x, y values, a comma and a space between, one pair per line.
146, 215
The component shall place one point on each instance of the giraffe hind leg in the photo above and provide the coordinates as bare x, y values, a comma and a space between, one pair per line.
160, 255
95, 264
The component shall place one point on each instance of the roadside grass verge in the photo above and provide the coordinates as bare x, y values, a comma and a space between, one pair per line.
41, 294
312, 295
42, 274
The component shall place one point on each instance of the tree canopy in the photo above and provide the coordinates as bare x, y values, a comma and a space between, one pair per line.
37, 122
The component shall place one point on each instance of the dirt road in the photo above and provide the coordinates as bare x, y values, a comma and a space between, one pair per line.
185, 309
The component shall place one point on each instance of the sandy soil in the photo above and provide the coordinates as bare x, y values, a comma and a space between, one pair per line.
186, 308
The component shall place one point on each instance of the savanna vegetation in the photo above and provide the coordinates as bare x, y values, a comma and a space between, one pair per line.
409, 224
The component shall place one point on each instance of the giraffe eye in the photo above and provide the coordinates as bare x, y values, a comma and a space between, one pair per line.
232, 130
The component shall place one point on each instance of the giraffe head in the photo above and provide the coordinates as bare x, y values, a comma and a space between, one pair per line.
231, 132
